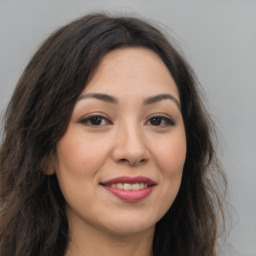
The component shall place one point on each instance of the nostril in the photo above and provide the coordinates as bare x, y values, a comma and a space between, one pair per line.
132, 163
126, 161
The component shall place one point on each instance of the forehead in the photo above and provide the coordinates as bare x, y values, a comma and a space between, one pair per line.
127, 71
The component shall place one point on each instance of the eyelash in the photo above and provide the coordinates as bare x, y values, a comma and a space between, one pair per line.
99, 118
88, 120
167, 121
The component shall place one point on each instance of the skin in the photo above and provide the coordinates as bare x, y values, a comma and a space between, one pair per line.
126, 140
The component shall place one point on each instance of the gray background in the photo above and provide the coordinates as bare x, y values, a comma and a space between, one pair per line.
217, 37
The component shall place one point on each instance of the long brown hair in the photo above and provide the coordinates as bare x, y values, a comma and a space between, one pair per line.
32, 218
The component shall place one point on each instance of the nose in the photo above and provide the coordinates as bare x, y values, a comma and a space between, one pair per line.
130, 146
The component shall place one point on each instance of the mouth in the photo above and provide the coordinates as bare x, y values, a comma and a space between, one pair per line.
129, 188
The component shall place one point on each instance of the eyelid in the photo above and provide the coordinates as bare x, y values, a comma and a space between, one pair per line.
169, 120
87, 118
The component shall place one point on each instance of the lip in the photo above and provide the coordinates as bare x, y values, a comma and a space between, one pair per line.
129, 195
126, 179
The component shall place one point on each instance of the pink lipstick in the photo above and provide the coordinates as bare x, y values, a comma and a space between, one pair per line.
130, 189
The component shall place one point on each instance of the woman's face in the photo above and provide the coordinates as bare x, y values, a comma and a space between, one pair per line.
119, 164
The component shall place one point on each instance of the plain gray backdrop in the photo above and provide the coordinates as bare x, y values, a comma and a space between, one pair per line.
217, 37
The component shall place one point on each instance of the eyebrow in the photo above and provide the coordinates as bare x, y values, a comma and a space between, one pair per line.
157, 98
114, 100
99, 96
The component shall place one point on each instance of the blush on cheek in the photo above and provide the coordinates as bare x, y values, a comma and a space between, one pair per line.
173, 162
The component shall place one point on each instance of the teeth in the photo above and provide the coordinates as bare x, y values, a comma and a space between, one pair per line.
135, 186
128, 186
119, 186
142, 185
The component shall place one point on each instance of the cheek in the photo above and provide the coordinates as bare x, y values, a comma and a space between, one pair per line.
170, 157
80, 155
171, 154
78, 161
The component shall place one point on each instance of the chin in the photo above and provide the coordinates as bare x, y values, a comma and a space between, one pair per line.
130, 225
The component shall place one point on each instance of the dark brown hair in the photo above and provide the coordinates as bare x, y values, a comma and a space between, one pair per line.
32, 219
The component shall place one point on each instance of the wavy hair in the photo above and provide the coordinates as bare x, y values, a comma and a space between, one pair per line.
32, 217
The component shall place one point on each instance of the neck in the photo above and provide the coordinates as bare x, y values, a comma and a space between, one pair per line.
90, 242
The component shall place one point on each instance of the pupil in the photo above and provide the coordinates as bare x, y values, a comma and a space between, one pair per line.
96, 120
155, 121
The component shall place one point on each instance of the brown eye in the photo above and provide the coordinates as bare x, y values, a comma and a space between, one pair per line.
156, 121
95, 121
161, 121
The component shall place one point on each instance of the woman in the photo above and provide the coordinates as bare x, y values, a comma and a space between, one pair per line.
107, 148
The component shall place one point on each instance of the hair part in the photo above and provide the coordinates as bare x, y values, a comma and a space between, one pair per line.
33, 218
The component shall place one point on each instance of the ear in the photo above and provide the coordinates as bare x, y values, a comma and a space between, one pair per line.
48, 165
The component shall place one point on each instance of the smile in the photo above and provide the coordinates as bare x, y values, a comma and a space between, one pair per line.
129, 186
130, 189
